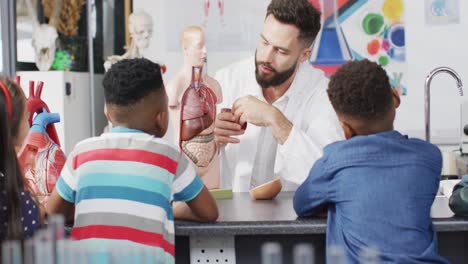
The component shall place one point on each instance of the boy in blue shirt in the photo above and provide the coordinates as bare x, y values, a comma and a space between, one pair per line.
377, 185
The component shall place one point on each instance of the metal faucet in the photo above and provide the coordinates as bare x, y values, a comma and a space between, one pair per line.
427, 94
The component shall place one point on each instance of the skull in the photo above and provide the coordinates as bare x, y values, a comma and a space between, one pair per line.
141, 29
44, 43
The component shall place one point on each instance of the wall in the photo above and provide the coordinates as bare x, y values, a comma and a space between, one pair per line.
173, 60
427, 48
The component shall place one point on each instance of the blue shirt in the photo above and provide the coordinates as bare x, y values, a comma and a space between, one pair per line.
378, 190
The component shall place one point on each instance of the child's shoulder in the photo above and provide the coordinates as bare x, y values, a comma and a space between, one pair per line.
389, 140
424, 145
140, 141
339, 146
425, 148
161, 142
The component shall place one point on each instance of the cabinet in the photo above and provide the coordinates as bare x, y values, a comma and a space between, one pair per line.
69, 94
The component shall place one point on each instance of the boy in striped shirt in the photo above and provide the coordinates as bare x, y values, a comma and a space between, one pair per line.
120, 186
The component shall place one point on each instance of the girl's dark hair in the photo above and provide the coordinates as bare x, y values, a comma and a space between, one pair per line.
11, 178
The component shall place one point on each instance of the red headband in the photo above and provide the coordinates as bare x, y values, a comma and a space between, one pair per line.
7, 98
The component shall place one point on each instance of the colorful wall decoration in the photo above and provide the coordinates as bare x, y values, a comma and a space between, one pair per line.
358, 29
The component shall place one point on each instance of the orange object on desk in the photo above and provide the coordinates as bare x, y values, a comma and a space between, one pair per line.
267, 191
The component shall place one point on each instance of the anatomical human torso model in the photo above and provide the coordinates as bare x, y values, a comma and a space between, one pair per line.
193, 96
141, 29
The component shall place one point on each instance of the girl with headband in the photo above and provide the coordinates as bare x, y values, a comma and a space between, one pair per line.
19, 215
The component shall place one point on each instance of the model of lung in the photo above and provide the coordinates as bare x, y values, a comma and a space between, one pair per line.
198, 112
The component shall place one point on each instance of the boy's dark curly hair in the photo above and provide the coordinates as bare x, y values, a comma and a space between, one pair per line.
130, 80
299, 13
360, 89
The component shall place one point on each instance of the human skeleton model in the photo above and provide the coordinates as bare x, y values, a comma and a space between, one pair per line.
141, 29
206, 11
140, 26
44, 36
192, 111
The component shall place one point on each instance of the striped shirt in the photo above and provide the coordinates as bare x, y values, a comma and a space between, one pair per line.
122, 184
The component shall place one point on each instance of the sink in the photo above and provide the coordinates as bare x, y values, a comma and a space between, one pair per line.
440, 208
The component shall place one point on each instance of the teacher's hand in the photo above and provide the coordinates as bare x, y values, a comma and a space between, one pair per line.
249, 109
227, 126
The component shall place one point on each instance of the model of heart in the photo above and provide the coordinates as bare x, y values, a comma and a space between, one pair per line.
41, 157
35, 105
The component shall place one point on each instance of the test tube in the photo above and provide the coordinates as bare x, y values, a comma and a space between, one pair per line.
148, 253
272, 253
56, 223
11, 252
303, 254
155, 256
62, 251
137, 255
43, 249
80, 252
369, 255
336, 255
29, 251
55, 226
116, 255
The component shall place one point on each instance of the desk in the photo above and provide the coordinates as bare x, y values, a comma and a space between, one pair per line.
246, 224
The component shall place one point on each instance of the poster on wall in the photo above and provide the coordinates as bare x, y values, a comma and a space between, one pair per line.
442, 12
230, 25
358, 29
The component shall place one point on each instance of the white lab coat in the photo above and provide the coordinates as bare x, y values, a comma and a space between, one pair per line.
314, 126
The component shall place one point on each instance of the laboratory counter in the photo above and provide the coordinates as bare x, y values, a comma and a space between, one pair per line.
245, 224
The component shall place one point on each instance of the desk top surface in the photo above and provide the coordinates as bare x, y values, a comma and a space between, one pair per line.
242, 215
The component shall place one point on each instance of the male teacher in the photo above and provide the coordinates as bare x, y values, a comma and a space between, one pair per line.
283, 100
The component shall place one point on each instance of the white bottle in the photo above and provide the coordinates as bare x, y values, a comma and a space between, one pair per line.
272, 253
11, 252
303, 254
369, 255
336, 255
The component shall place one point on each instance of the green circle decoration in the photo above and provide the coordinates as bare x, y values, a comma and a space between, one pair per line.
372, 23
384, 61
